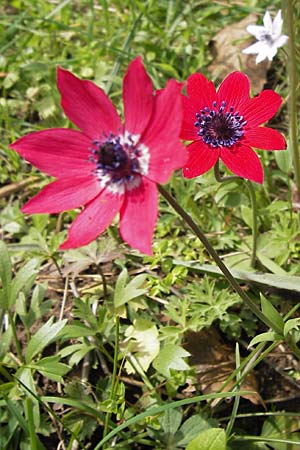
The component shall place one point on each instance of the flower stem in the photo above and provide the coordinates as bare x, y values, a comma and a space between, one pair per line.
218, 176
254, 221
251, 190
114, 375
293, 82
231, 280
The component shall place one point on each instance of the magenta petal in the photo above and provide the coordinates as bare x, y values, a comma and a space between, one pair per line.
244, 162
261, 108
87, 106
201, 159
93, 220
234, 90
57, 152
63, 195
162, 136
265, 138
138, 216
138, 97
201, 91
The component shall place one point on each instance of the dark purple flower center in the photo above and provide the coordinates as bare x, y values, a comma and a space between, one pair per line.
219, 127
118, 159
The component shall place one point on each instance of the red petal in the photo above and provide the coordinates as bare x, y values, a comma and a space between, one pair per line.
63, 195
188, 129
262, 108
138, 216
244, 162
138, 97
87, 105
234, 90
265, 138
201, 158
162, 135
57, 152
93, 220
201, 91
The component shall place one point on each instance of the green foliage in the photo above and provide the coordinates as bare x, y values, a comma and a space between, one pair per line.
65, 372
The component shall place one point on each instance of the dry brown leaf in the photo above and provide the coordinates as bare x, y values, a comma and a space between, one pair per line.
214, 362
227, 47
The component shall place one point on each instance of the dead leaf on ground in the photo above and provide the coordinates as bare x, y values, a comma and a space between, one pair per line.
227, 48
214, 362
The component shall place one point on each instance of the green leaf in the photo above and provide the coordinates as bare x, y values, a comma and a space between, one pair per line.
292, 324
51, 368
5, 275
290, 283
171, 357
263, 337
284, 160
123, 293
142, 340
211, 439
270, 312
23, 279
43, 337
170, 421
191, 428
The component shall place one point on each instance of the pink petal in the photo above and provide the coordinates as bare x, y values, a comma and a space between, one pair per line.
63, 195
138, 97
234, 90
265, 138
243, 161
261, 108
93, 220
202, 158
201, 91
87, 105
57, 152
138, 216
162, 135
188, 129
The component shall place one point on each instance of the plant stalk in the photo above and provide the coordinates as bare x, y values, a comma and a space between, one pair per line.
231, 280
254, 221
293, 84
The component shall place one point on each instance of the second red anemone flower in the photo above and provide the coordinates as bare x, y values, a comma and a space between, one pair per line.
108, 167
226, 123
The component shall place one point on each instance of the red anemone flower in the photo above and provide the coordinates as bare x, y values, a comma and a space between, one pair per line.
226, 123
108, 167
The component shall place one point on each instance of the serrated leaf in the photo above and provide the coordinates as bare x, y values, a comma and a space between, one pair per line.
43, 337
211, 439
171, 357
270, 312
76, 331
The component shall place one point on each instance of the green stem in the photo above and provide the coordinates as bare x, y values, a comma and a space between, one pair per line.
231, 280
293, 82
251, 190
114, 375
254, 222
218, 176
16, 339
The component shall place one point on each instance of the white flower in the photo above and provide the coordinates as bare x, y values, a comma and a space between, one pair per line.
269, 38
